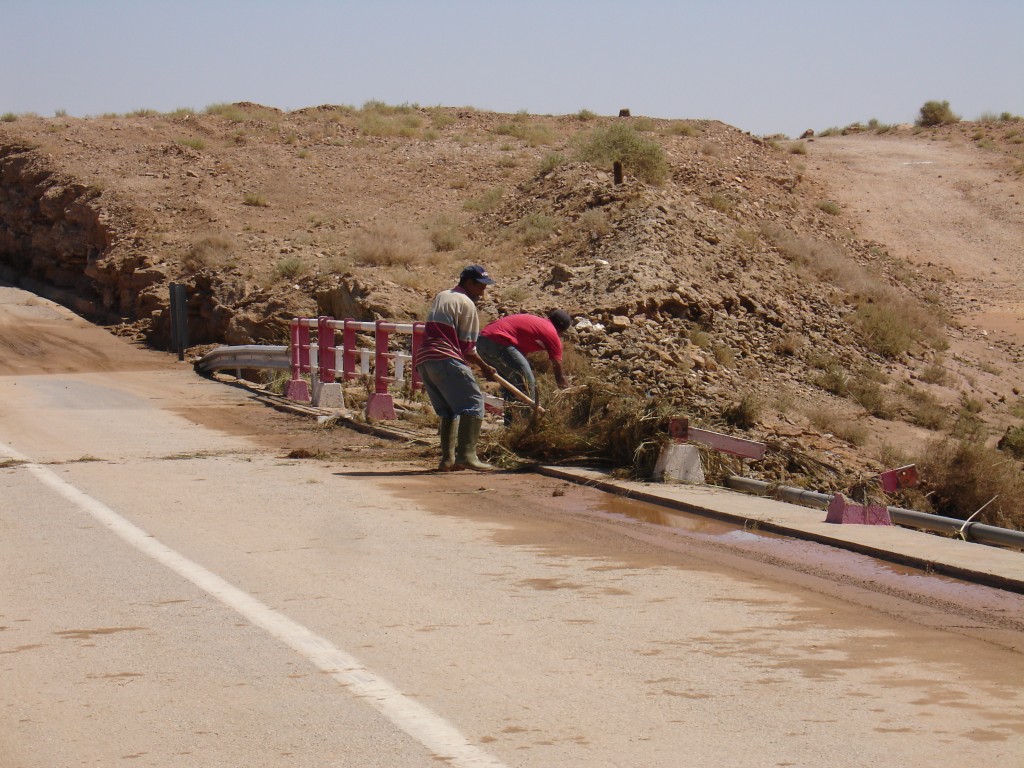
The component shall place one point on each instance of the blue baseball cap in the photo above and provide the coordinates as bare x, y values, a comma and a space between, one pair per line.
478, 273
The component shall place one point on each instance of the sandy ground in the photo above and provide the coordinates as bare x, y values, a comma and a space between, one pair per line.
546, 622
944, 205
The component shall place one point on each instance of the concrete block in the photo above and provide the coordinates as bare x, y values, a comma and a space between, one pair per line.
679, 464
330, 395
297, 390
842, 510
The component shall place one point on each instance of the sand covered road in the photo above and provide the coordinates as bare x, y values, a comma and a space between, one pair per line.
535, 623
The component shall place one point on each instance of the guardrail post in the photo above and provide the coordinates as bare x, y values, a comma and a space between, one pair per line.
418, 329
348, 349
381, 405
297, 388
330, 393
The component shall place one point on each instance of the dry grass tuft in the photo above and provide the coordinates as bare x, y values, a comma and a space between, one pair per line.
960, 476
600, 423
389, 245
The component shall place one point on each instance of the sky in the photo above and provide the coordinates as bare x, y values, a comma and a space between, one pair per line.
764, 67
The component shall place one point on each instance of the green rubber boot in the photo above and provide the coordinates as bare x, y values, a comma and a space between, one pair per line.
447, 432
465, 451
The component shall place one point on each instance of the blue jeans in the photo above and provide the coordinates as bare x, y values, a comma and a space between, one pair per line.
513, 366
452, 388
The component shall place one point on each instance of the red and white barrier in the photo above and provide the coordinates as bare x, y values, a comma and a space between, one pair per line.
319, 358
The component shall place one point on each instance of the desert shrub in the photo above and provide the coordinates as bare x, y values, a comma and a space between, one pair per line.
535, 227
594, 222
620, 142
926, 411
1012, 442
585, 115
745, 413
934, 373
830, 421
961, 476
724, 355
388, 245
255, 199
721, 203
197, 144
830, 207
8, 117
289, 267
533, 134
211, 251
486, 202
598, 423
550, 162
879, 127
834, 379
230, 112
892, 328
682, 129
871, 396
936, 113
797, 148
444, 234
790, 344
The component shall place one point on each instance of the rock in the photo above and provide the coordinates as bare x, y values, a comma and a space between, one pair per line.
619, 322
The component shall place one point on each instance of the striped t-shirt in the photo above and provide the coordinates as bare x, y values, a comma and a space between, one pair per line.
452, 328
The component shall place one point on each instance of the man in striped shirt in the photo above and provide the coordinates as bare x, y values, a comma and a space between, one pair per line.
443, 362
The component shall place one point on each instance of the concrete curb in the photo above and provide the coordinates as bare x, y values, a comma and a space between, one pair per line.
976, 563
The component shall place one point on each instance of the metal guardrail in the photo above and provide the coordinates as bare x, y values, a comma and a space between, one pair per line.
251, 356
908, 518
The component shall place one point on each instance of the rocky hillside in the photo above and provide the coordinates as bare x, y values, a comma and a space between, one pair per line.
734, 286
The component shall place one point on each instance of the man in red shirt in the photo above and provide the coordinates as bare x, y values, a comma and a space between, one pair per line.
505, 343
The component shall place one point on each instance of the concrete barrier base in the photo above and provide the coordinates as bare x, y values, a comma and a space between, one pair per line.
330, 395
679, 464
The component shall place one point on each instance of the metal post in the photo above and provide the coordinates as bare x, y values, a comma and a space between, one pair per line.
179, 319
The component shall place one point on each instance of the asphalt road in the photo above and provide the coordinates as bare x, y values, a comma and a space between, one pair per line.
174, 594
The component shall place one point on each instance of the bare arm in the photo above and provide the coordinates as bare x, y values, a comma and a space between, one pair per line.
487, 370
556, 368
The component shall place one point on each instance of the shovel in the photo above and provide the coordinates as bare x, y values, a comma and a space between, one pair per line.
518, 394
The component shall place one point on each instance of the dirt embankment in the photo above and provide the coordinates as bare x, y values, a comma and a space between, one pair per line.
745, 278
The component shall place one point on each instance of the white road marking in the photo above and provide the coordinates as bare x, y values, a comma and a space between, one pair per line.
428, 728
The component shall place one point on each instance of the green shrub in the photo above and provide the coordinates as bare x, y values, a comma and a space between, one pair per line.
8, 117
620, 142
830, 207
936, 113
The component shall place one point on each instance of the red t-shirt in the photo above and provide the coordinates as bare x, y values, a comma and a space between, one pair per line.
527, 333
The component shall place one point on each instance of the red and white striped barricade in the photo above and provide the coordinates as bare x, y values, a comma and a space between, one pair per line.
326, 362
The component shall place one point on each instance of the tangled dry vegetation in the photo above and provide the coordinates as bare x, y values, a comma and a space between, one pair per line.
718, 281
